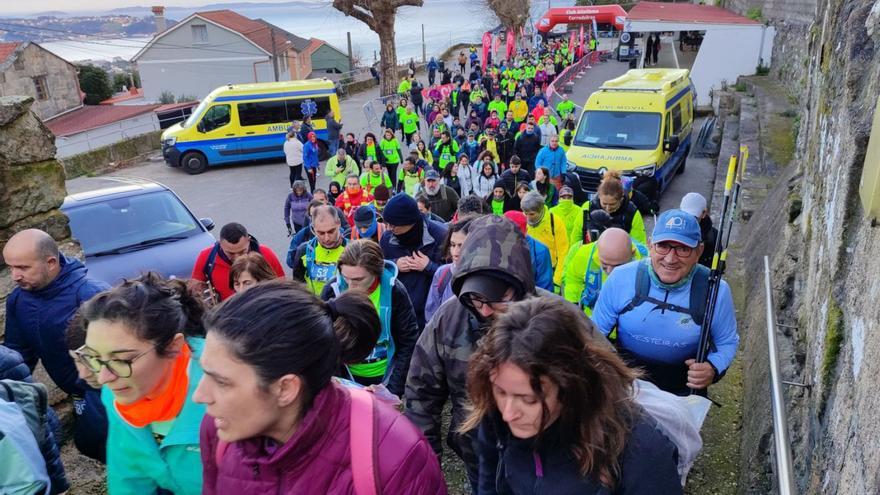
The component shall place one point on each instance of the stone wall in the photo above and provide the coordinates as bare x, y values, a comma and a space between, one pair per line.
60, 76
825, 266
31, 183
112, 157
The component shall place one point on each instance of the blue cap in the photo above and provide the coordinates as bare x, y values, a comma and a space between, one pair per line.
677, 226
432, 174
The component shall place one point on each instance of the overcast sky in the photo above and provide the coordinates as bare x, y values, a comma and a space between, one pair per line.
92, 5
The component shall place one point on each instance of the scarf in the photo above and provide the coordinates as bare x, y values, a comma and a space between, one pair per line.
168, 404
412, 239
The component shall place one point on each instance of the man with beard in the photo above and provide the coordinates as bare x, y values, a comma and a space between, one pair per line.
442, 198
413, 243
315, 261
495, 269
695, 204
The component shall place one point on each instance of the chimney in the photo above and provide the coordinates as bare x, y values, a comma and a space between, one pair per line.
159, 16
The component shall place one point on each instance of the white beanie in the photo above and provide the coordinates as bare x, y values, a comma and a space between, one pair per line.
693, 203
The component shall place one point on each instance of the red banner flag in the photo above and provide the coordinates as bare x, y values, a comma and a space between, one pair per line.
487, 45
581, 45
571, 43
511, 44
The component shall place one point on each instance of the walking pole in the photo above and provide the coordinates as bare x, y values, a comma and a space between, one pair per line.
718, 259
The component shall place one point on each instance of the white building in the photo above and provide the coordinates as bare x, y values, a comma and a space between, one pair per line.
95, 126
732, 45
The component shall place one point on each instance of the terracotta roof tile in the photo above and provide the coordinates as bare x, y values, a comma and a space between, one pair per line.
6, 49
92, 116
258, 31
685, 13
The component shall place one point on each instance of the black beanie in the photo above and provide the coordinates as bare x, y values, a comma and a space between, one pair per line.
400, 210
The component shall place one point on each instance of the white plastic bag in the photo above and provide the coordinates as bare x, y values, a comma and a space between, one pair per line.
680, 419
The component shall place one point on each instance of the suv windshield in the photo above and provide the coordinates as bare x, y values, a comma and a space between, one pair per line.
131, 223
618, 130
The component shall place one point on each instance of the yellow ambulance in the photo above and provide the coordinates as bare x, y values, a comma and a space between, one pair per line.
639, 123
248, 122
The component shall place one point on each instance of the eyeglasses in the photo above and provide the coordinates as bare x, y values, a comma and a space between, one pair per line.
681, 250
121, 368
477, 302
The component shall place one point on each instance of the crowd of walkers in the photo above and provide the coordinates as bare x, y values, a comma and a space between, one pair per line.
455, 259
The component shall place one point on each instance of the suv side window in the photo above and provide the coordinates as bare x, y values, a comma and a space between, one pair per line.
216, 117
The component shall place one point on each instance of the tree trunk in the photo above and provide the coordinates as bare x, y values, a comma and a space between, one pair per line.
387, 56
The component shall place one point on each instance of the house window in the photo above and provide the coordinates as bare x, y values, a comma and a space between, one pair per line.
200, 33
42, 87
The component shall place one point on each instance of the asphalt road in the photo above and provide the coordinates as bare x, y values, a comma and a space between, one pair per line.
254, 194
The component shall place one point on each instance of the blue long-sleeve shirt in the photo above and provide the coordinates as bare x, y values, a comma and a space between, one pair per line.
554, 160
660, 337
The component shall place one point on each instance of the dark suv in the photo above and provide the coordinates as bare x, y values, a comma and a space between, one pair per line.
127, 226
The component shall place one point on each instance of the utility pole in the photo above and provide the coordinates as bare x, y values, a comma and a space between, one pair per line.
424, 52
274, 53
350, 54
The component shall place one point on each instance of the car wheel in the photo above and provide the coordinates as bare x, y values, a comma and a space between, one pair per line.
194, 163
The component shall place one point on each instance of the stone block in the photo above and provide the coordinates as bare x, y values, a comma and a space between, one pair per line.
13, 107
53, 222
30, 189
26, 140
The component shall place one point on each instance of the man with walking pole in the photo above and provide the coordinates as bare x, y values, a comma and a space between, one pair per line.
667, 309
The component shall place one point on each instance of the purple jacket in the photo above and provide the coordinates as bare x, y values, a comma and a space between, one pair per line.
296, 207
317, 459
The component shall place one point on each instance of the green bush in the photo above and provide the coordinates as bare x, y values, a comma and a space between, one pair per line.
754, 13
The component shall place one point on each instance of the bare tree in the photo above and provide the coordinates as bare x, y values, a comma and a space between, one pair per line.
379, 15
512, 14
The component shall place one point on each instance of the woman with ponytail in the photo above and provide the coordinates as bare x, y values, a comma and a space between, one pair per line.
276, 421
143, 340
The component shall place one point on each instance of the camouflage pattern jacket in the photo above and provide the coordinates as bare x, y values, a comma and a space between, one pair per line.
439, 365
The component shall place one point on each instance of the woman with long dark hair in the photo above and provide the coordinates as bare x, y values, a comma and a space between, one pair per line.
143, 341
556, 409
277, 422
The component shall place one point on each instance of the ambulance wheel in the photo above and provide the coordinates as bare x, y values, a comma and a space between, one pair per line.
683, 162
194, 163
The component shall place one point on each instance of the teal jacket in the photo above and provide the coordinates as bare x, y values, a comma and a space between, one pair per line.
136, 465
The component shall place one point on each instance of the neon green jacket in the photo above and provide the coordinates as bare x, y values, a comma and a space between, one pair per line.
136, 464
499, 106
403, 87
583, 270
564, 108
349, 168
568, 212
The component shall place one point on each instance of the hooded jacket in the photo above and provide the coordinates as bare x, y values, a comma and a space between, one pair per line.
36, 322
400, 329
439, 364
317, 458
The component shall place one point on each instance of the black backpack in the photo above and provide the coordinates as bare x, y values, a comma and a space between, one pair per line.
699, 291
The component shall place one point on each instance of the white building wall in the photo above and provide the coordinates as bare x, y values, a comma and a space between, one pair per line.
184, 67
727, 52
104, 136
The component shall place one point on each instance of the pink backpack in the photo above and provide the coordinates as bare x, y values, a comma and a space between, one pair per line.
362, 439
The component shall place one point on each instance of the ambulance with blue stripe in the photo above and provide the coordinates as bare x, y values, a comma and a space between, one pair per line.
639, 123
248, 122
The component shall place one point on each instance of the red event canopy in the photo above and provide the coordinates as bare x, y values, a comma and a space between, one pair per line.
603, 14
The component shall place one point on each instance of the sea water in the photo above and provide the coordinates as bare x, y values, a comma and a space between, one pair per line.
447, 22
